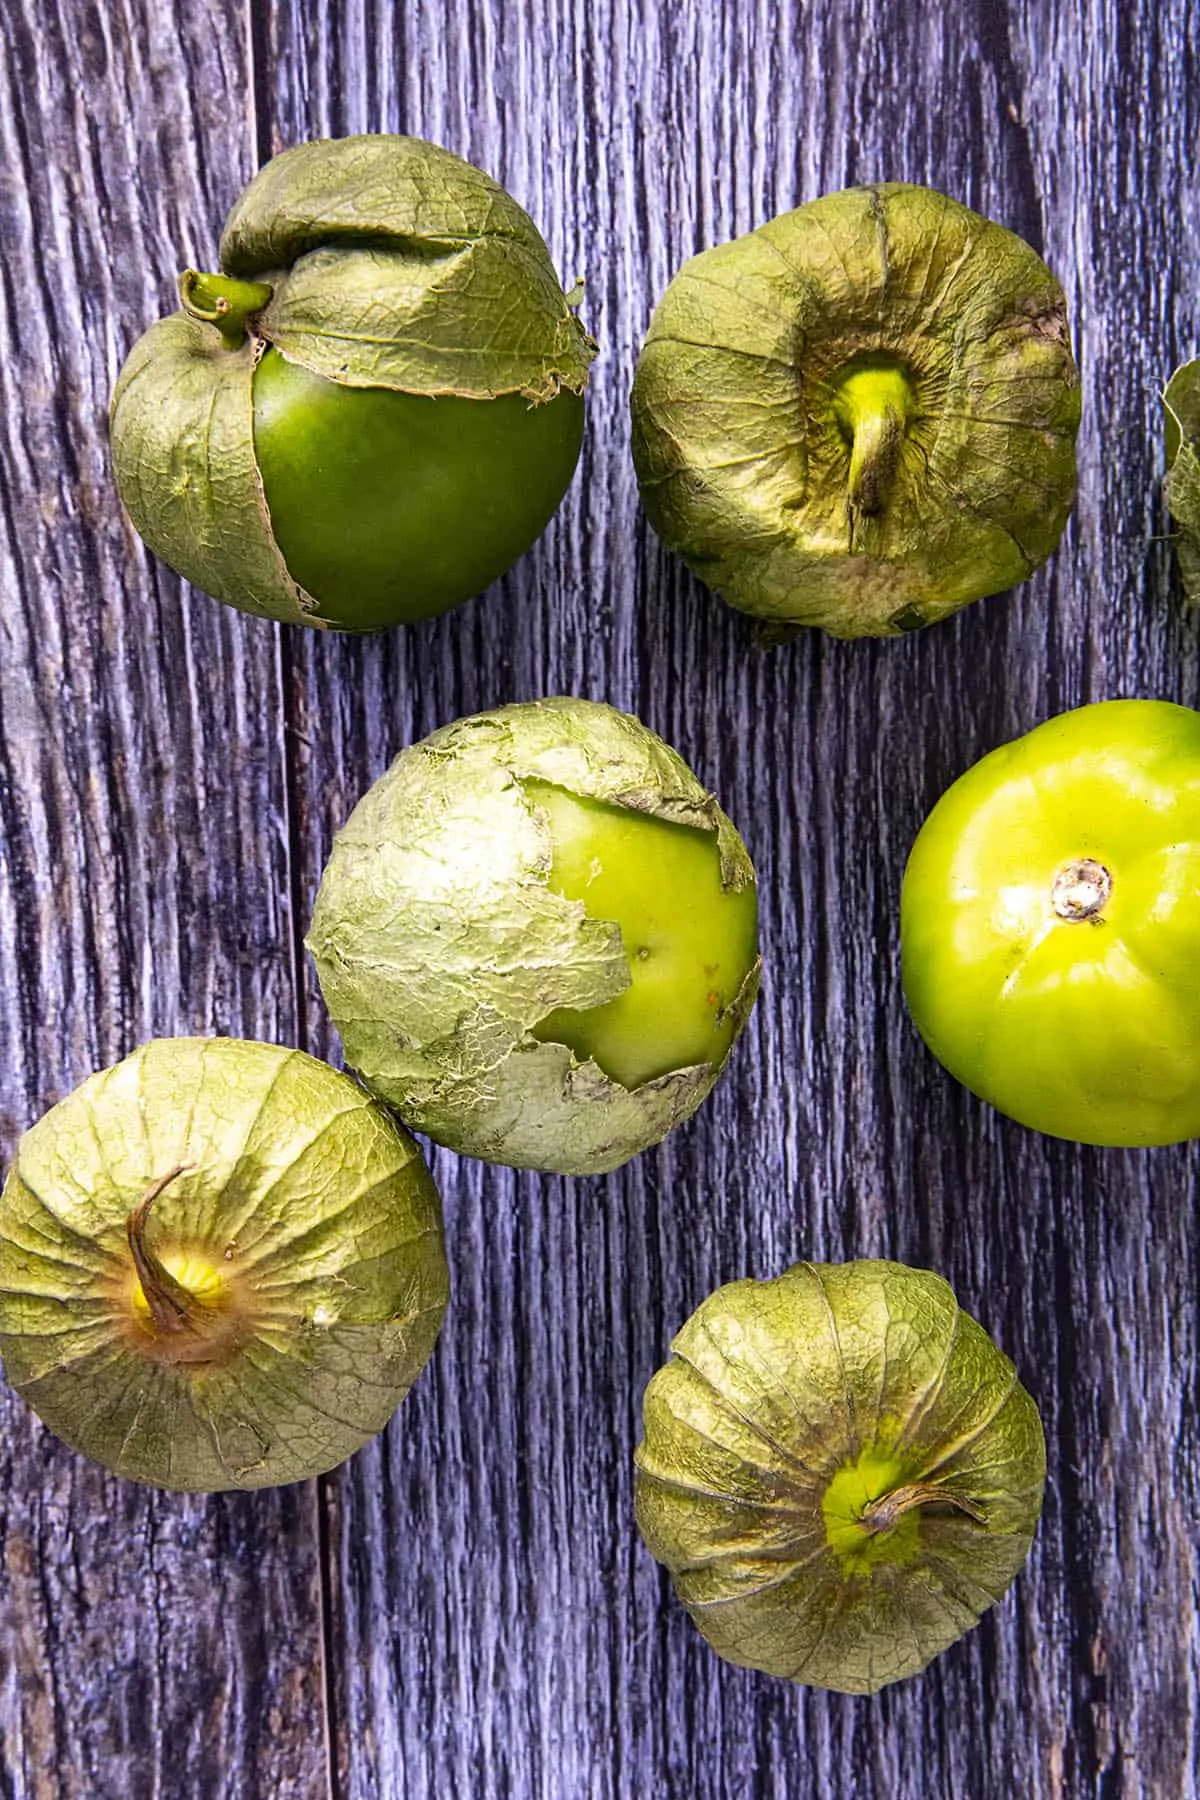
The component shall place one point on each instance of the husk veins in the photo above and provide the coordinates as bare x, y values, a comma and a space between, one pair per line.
440, 945
1182, 485
391, 263
840, 1470
312, 1203
744, 461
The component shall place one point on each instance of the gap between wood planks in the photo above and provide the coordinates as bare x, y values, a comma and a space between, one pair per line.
259, 110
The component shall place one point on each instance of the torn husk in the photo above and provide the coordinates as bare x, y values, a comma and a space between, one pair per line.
440, 945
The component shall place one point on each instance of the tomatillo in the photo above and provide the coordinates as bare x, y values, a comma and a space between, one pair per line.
1050, 926
1181, 402
221, 1266
537, 936
840, 1470
373, 409
861, 415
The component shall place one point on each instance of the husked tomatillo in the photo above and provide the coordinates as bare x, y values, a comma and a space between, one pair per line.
537, 936
862, 415
840, 1470
373, 408
221, 1266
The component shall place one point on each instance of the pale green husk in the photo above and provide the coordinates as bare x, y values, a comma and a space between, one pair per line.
773, 1388
743, 465
393, 264
439, 944
299, 1186
1182, 484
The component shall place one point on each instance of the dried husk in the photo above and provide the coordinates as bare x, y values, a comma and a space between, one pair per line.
1182, 485
777, 1387
393, 264
312, 1204
440, 945
741, 459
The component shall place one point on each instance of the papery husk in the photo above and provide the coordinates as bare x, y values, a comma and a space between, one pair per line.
393, 264
440, 945
310, 1200
743, 466
776, 1386
1181, 488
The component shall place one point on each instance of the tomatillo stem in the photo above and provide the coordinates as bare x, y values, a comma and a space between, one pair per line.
883, 1513
221, 301
873, 408
1081, 889
174, 1309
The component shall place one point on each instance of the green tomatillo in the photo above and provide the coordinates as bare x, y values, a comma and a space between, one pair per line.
840, 1470
862, 415
1050, 925
1182, 404
373, 409
221, 1266
537, 935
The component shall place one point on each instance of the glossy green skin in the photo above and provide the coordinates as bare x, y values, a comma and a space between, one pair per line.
690, 943
390, 507
1082, 1028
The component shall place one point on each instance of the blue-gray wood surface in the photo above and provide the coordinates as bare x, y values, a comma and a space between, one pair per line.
464, 1610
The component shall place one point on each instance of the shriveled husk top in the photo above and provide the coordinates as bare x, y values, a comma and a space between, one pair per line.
744, 464
392, 263
306, 1215
1182, 402
439, 943
792, 1406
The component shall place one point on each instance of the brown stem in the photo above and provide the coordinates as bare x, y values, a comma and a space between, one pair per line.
874, 459
883, 1513
174, 1310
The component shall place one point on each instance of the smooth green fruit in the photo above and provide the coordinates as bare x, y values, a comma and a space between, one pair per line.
688, 941
840, 1470
390, 506
373, 409
479, 928
1050, 926
221, 1266
860, 416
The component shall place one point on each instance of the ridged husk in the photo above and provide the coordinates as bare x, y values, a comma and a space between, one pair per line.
743, 465
1182, 485
440, 945
313, 1204
393, 264
776, 1386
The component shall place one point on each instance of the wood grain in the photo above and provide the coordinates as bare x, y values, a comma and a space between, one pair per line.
170, 790
149, 1644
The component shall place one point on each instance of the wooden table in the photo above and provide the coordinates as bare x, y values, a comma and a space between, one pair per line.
464, 1609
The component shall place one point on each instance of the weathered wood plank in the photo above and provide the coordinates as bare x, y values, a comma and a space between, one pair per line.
501, 1631
143, 888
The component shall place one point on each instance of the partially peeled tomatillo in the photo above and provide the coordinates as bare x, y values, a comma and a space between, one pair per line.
1050, 926
537, 936
221, 1266
861, 415
840, 1470
373, 409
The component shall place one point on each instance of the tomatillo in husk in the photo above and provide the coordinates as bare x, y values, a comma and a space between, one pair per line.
862, 415
537, 936
1181, 403
221, 1266
1050, 926
840, 1470
373, 409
